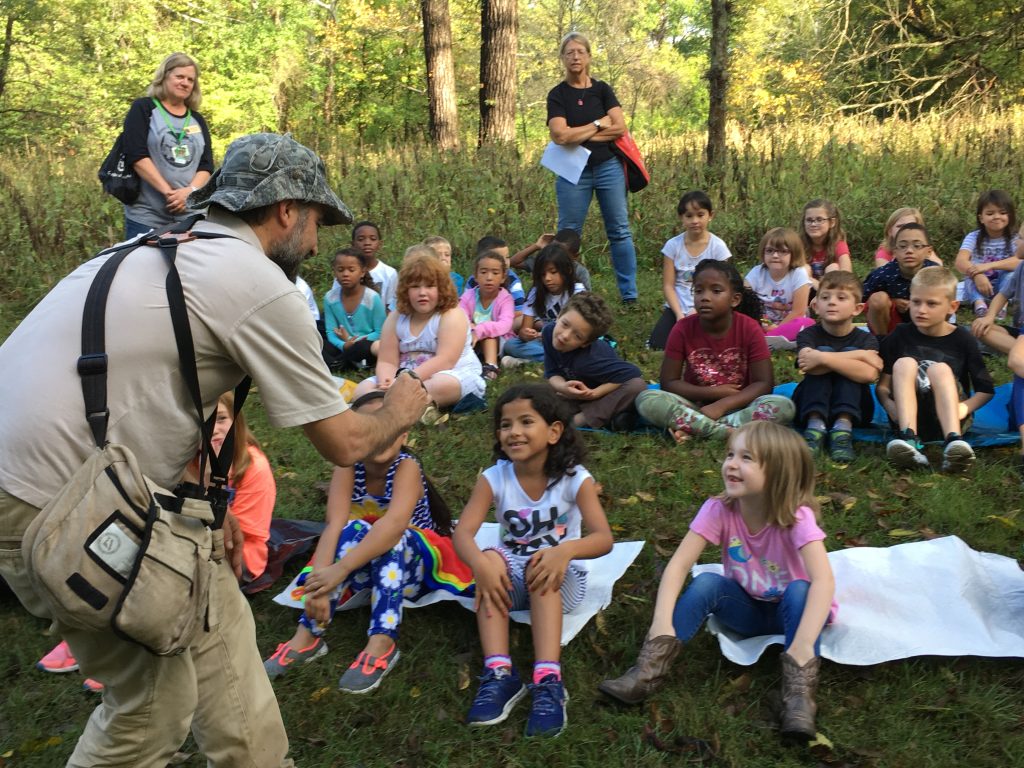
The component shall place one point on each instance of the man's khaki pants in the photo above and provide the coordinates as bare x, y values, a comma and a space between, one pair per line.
218, 687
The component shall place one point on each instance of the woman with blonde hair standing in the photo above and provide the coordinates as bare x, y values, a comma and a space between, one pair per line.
584, 112
167, 142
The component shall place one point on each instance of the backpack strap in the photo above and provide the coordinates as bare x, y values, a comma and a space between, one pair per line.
93, 363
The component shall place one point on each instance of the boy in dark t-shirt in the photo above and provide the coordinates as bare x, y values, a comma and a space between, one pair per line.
838, 361
584, 369
929, 370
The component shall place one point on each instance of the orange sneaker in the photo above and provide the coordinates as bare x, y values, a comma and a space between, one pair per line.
59, 660
285, 656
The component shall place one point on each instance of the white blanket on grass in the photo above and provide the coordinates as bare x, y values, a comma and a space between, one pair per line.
603, 573
928, 598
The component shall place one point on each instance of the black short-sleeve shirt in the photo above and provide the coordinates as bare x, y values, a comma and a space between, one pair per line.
580, 106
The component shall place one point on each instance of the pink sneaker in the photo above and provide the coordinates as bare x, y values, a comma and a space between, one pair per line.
92, 686
59, 660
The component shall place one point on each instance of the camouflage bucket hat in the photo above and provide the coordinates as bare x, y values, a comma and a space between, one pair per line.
265, 168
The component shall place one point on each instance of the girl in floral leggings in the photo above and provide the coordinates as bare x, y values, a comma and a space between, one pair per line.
387, 532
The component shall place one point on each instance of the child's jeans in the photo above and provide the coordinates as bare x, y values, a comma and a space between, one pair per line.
532, 350
972, 294
830, 395
713, 594
392, 577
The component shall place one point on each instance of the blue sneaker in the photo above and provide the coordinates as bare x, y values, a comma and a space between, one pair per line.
547, 714
500, 690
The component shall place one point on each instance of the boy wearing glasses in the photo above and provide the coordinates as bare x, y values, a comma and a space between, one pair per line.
887, 289
933, 377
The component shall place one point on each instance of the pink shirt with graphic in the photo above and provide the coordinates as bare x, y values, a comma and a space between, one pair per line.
763, 563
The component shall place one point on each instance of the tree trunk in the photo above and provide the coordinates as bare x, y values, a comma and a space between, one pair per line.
5, 56
437, 45
499, 26
718, 81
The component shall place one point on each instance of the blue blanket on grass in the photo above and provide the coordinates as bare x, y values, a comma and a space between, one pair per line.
991, 425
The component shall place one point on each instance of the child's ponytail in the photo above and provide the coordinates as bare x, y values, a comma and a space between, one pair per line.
750, 303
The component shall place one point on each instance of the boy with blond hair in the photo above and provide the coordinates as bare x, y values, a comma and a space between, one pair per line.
933, 376
839, 362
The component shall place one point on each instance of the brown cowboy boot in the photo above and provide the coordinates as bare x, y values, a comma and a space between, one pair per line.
648, 674
799, 685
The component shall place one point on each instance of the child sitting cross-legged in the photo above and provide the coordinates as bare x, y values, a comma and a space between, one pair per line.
490, 309
717, 370
584, 369
838, 361
777, 578
387, 531
930, 368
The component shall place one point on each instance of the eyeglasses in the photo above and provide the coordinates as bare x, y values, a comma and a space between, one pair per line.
915, 246
773, 251
817, 220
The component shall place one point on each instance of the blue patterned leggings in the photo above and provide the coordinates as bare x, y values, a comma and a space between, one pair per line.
391, 578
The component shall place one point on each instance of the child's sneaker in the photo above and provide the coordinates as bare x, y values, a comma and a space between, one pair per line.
905, 452
285, 656
500, 690
512, 362
840, 446
92, 686
957, 456
547, 714
815, 439
366, 672
59, 660
980, 308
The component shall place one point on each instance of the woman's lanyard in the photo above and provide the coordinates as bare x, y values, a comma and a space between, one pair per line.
180, 152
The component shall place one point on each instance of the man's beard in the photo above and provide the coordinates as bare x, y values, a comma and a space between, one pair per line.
286, 253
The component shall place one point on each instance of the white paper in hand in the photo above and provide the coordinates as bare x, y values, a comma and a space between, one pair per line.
567, 162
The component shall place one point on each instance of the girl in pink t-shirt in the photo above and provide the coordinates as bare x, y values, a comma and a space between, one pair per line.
777, 578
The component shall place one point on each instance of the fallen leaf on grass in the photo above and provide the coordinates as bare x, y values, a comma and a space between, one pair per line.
928, 533
38, 745
1011, 524
902, 533
313, 741
855, 541
415, 692
696, 749
319, 694
644, 496
629, 501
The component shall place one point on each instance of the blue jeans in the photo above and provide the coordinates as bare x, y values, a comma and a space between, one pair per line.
609, 182
971, 292
532, 350
134, 228
712, 593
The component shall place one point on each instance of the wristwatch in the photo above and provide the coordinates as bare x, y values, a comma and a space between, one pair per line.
597, 124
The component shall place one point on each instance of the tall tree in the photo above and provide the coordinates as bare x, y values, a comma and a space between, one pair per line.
718, 82
437, 46
499, 27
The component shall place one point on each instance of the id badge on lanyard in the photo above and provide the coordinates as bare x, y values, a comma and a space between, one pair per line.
181, 154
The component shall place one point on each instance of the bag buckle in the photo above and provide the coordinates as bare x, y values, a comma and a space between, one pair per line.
94, 364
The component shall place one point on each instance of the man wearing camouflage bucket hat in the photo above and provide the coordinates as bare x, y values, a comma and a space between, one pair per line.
247, 317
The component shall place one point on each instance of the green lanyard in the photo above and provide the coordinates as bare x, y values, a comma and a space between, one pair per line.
178, 137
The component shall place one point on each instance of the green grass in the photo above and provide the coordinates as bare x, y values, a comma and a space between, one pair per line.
919, 713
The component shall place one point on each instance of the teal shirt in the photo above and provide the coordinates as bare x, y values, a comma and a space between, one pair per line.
366, 321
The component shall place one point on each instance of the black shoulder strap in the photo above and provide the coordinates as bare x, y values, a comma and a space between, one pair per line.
93, 363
